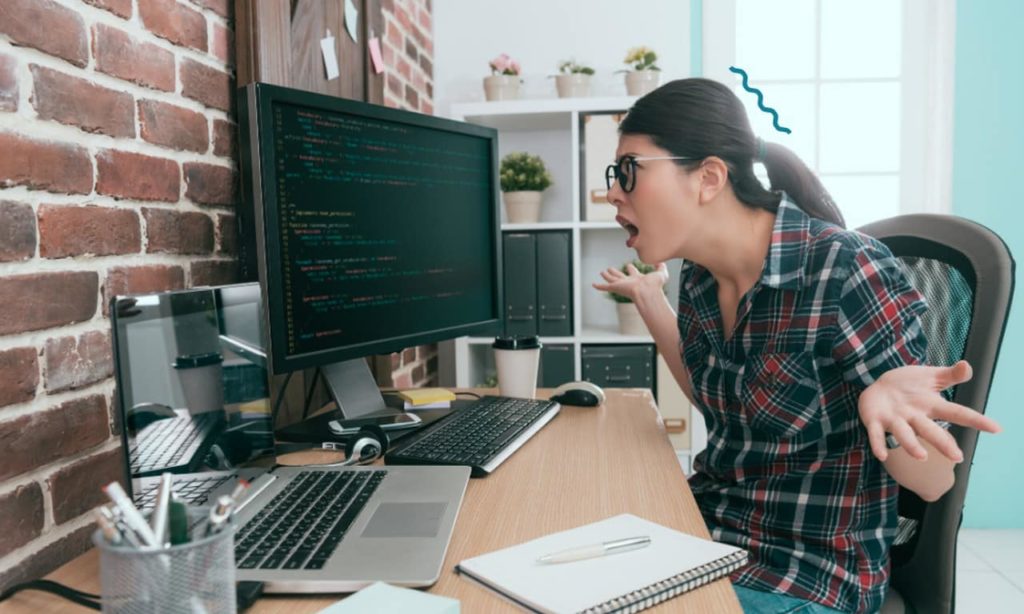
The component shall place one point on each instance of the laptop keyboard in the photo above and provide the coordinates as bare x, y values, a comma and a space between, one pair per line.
194, 491
171, 442
474, 435
302, 526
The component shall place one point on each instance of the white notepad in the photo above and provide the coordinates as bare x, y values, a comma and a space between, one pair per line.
625, 582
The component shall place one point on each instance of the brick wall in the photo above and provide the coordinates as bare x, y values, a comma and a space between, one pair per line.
116, 175
408, 49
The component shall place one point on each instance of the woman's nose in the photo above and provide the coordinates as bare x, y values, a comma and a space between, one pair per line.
615, 194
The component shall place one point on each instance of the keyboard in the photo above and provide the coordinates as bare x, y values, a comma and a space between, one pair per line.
194, 491
173, 444
304, 523
481, 435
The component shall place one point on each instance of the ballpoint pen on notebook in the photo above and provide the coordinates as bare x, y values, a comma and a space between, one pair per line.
595, 550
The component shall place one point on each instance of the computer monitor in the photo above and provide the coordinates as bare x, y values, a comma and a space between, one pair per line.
370, 230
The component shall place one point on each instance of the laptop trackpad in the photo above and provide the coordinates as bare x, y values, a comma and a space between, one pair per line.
406, 520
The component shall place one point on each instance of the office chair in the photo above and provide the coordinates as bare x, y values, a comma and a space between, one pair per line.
966, 274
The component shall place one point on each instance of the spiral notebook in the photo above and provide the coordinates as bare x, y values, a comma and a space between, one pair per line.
672, 564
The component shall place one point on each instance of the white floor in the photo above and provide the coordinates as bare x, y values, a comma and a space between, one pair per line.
990, 571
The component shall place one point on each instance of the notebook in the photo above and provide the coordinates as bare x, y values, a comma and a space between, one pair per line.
672, 564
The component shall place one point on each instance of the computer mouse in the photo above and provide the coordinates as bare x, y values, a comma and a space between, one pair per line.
580, 394
144, 414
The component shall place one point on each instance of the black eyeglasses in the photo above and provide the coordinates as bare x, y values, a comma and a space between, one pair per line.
624, 171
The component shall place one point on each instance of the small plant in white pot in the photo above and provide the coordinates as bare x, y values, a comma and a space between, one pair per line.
630, 322
645, 73
523, 181
503, 84
573, 80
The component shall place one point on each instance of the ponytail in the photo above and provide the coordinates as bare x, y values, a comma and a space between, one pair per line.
787, 172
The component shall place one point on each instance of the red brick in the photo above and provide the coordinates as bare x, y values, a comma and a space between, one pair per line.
20, 367
396, 360
424, 20
178, 232
403, 18
408, 356
404, 69
8, 83
224, 138
394, 84
389, 54
208, 184
44, 165
120, 55
78, 102
209, 86
76, 489
222, 46
427, 66
66, 231
46, 26
426, 108
394, 35
418, 373
410, 50
214, 272
17, 231
412, 97
75, 363
403, 380
141, 280
227, 235
22, 511
34, 440
40, 563
121, 8
131, 175
172, 126
175, 22
224, 8
45, 300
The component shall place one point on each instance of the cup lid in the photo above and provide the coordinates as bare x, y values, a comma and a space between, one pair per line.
190, 361
516, 343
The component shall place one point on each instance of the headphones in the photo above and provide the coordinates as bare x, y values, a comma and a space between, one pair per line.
363, 448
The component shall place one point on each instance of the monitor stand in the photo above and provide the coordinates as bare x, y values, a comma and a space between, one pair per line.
354, 389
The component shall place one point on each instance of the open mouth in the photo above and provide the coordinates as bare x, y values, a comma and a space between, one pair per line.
630, 228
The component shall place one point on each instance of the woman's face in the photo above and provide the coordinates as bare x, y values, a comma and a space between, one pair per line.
661, 212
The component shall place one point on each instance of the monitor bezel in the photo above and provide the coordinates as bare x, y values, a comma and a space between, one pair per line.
260, 98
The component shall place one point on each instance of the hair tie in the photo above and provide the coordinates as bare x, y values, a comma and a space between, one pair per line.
761, 150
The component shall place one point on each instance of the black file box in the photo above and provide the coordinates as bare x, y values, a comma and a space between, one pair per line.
554, 284
619, 366
520, 264
556, 365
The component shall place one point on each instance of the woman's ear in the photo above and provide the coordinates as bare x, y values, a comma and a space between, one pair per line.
714, 175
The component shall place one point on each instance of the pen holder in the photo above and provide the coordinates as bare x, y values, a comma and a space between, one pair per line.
195, 578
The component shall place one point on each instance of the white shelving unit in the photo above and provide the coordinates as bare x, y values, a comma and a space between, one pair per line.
550, 128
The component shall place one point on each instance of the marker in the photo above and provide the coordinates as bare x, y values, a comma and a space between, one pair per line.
130, 514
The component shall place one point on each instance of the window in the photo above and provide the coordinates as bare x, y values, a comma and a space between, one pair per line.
864, 85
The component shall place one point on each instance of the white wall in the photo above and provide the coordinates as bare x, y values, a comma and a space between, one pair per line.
542, 33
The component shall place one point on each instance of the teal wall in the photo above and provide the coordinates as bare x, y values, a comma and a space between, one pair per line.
988, 187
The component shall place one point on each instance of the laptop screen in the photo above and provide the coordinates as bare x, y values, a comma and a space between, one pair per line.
191, 379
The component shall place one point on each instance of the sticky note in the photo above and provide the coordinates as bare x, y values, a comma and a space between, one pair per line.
352, 20
330, 57
383, 598
378, 62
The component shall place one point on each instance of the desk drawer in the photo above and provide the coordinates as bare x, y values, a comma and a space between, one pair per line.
619, 366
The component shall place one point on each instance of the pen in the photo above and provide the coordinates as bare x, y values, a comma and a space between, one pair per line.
595, 550
159, 519
130, 514
219, 514
110, 532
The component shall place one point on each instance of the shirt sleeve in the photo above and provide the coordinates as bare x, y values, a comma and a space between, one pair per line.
879, 319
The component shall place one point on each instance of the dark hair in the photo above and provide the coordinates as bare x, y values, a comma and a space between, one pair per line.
699, 118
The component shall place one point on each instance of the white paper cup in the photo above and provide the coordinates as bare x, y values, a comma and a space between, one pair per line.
517, 359
202, 380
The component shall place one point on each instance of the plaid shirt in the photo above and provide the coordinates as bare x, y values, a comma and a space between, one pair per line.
788, 473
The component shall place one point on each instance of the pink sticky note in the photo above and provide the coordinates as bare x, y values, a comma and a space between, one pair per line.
378, 62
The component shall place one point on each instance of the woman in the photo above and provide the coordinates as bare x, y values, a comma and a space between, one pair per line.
795, 338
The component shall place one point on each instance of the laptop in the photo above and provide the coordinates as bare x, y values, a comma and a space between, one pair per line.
193, 395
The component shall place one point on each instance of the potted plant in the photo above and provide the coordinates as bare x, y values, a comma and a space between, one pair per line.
503, 84
573, 79
630, 322
523, 179
644, 74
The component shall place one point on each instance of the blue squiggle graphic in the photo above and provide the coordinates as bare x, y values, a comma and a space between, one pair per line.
760, 99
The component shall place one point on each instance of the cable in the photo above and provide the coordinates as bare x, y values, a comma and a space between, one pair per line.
471, 394
82, 598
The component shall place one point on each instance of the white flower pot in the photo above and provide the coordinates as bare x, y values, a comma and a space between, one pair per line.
639, 82
630, 322
573, 86
522, 207
501, 87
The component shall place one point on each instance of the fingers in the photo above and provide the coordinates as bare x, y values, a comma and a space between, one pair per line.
876, 435
951, 376
631, 269
940, 439
964, 416
908, 439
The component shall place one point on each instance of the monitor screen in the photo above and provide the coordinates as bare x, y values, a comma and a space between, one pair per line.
380, 227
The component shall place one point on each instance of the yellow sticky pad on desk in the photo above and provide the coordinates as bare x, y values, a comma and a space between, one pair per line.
423, 396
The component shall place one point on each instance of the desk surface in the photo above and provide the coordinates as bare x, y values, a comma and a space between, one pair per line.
587, 464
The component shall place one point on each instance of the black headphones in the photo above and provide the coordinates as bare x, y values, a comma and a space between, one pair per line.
366, 446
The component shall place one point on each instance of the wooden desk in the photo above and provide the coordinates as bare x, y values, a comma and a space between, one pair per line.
587, 464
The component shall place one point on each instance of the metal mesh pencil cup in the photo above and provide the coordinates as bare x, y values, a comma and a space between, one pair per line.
194, 578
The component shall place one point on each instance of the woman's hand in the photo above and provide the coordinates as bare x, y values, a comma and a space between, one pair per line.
905, 401
633, 284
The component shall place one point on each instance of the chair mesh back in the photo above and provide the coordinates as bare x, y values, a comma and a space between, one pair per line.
950, 301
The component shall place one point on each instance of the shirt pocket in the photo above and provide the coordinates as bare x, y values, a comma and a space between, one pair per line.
781, 396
